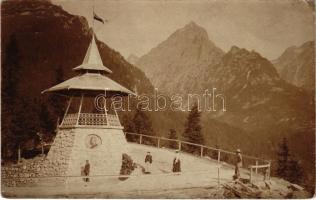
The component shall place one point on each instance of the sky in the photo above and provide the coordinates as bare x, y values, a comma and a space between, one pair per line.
137, 26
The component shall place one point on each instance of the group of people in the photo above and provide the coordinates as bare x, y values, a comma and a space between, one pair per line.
176, 165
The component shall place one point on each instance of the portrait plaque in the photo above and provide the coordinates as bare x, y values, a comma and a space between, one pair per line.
93, 141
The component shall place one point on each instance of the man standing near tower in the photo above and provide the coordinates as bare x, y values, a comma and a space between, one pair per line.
87, 170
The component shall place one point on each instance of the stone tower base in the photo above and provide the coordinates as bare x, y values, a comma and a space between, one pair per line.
103, 148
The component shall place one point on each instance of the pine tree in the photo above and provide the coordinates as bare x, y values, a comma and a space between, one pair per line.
294, 172
192, 132
288, 167
56, 104
25, 123
127, 123
47, 125
173, 135
9, 81
11, 69
283, 158
143, 124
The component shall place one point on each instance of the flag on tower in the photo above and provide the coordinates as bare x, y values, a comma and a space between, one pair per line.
96, 17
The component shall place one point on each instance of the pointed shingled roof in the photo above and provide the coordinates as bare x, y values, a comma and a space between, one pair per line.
90, 80
92, 60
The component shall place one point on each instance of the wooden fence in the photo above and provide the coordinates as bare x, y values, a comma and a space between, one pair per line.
251, 163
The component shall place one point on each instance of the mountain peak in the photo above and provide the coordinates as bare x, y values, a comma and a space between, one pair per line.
132, 58
188, 53
296, 65
191, 31
192, 24
250, 62
237, 50
234, 49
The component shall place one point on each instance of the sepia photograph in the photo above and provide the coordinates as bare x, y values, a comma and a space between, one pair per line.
158, 99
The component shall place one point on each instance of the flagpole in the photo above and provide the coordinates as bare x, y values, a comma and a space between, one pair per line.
93, 16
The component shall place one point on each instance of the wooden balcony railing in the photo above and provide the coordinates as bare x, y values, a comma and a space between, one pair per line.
90, 119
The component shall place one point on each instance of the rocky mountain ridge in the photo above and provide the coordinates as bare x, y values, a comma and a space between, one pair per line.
297, 65
184, 55
259, 103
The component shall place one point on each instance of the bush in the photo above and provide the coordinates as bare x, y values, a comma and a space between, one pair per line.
127, 166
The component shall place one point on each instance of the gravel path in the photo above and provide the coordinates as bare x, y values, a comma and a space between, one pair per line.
197, 180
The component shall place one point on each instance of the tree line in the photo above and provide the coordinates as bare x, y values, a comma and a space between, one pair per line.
24, 117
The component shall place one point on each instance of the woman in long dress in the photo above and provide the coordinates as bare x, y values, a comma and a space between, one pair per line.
176, 167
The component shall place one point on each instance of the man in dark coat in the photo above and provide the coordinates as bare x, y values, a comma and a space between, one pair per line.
86, 170
176, 163
148, 161
238, 164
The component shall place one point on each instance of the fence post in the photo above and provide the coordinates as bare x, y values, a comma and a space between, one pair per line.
179, 142
201, 151
19, 154
218, 181
42, 146
218, 156
256, 166
140, 139
158, 142
250, 180
269, 170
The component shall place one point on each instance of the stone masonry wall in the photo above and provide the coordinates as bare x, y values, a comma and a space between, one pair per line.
31, 172
67, 155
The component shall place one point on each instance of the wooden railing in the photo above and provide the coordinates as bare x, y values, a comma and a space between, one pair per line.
250, 163
70, 120
90, 119
113, 120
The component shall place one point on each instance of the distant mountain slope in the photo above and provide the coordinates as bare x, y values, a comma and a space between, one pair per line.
247, 79
297, 65
40, 45
175, 65
132, 59
257, 99
262, 104
49, 38
261, 107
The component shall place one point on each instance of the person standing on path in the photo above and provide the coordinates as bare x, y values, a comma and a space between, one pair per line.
86, 170
148, 162
238, 164
176, 163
